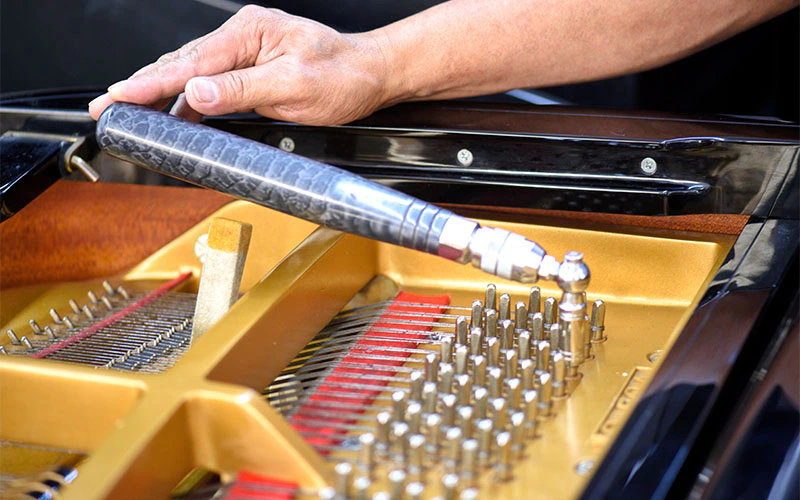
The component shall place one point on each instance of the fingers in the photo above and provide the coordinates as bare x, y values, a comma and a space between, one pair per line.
181, 108
239, 90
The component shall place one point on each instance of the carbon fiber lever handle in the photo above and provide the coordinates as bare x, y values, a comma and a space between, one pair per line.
313, 191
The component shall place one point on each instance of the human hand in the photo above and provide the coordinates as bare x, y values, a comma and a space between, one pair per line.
282, 66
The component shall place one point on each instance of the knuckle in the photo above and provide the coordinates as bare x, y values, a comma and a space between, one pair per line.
237, 85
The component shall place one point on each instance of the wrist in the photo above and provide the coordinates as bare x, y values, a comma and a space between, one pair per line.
388, 68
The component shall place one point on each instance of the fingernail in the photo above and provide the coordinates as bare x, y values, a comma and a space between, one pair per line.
204, 90
116, 86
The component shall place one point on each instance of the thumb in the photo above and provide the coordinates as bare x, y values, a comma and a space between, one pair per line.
233, 91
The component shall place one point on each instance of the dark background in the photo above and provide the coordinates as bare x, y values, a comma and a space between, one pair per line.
79, 43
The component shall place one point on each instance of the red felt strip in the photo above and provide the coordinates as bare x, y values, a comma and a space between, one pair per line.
370, 346
88, 332
249, 485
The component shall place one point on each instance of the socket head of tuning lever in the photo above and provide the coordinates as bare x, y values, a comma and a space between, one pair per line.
573, 274
495, 251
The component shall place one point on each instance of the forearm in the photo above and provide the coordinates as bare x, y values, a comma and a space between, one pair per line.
474, 47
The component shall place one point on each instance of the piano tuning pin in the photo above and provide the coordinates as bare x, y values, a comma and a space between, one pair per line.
535, 300
465, 416
513, 393
453, 439
510, 363
414, 417
56, 317
75, 307
480, 406
383, 419
446, 374
88, 312
518, 433
25, 342
432, 367
504, 308
524, 345
399, 437
37, 330
398, 406
433, 431
3, 351
493, 351
92, 297
485, 434
49, 332
545, 390
476, 341
461, 331
463, 391
397, 482
469, 462
448, 410
344, 477
108, 288
417, 379
503, 466
476, 316
549, 313
531, 411
520, 316
429, 395
12, 336
123, 292
491, 296
559, 375
361, 486
598, 322
506, 334
446, 350
450, 485
107, 302
414, 491
462, 359
490, 324
67, 322
416, 457
556, 338
479, 370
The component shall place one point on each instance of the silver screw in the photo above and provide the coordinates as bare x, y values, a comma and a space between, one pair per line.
287, 144
464, 157
648, 166
584, 467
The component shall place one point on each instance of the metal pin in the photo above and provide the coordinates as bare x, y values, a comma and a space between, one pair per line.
450, 485
344, 476
491, 296
476, 341
513, 393
88, 312
556, 338
490, 324
384, 420
12, 336
463, 389
446, 373
520, 316
3, 351
510, 363
123, 292
414, 491
398, 406
535, 300
26, 342
503, 466
56, 317
480, 404
468, 494
465, 415
417, 379
504, 308
432, 367
446, 349
461, 330
524, 345
327, 493
49, 332
476, 316
382, 495
479, 370
429, 394
75, 307
452, 456
469, 462
599, 322
526, 371
518, 433
543, 356
361, 486
485, 434
499, 413
92, 297
545, 390
507, 334
366, 453
531, 410
416, 456
107, 302
400, 442
37, 330
397, 480
462, 359
109, 289
414, 417
433, 431
493, 351
536, 327
67, 322
559, 376
495, 378
448, 410
549, 312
